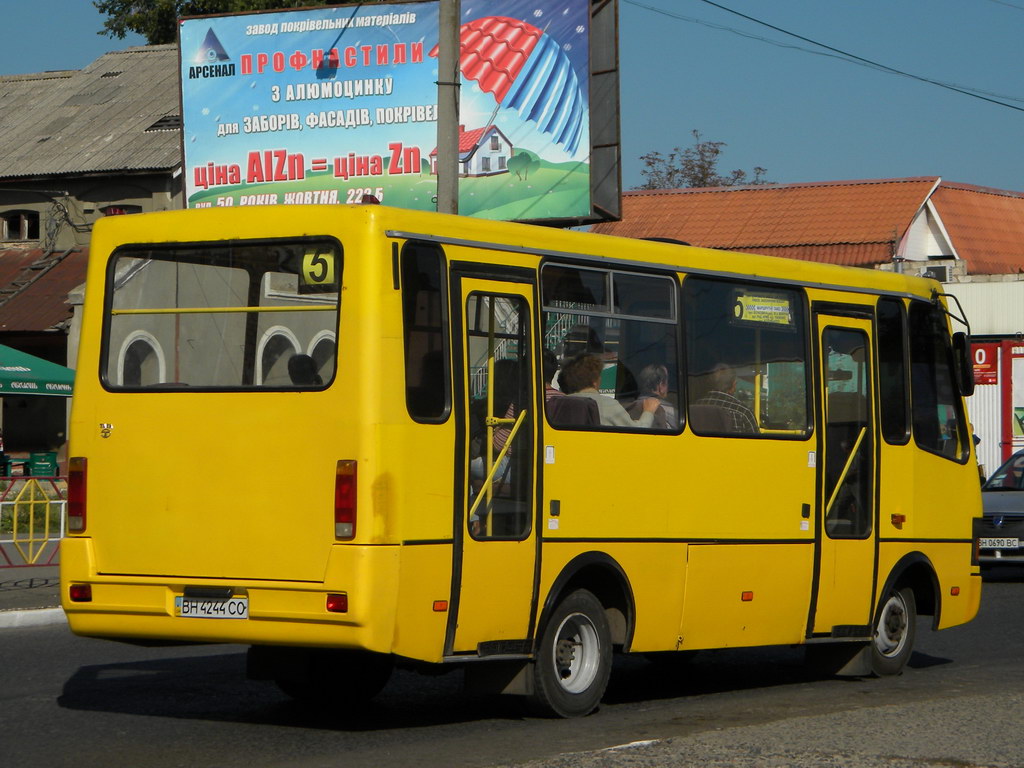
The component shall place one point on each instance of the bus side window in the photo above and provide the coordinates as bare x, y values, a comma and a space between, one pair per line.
939, 423
893, 395
425, 321
746, 359
629, 322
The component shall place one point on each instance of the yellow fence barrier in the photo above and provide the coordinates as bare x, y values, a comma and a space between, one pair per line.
32, 513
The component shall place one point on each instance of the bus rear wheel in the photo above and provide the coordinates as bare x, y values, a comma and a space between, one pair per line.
894, 631
574, 659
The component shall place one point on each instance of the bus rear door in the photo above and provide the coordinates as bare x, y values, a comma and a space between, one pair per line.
495, 552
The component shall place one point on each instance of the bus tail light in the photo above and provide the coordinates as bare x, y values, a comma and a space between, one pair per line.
76, 493
345, 499
337, 603
80, 593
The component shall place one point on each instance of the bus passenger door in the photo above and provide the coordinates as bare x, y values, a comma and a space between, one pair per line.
495, 541
846, 527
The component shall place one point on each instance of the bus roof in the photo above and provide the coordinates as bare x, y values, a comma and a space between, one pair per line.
218, 224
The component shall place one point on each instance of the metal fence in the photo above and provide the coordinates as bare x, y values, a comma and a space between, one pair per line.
32, 520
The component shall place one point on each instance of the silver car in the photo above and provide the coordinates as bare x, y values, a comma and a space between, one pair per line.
1000, 532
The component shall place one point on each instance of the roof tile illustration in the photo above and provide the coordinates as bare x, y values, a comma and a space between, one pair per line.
526, 70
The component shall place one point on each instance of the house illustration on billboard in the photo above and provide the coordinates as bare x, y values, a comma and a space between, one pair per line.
482, 152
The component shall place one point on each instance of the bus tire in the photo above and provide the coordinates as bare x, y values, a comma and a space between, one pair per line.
574, 659
329, 677
894, 630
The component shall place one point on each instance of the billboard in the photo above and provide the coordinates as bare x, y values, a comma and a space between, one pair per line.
329, 105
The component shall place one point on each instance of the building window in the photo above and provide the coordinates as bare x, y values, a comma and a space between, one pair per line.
142, 361
495, 142
323, 352
485, 164
279, 346
19, 225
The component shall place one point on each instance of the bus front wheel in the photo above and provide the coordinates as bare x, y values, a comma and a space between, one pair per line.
894, 632
574, 659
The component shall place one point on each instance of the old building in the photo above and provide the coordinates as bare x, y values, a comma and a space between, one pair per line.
77, 145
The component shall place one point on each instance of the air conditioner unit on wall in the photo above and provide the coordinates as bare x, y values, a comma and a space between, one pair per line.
942, 273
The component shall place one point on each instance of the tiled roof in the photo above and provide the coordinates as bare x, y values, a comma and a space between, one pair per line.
92, 120
853, 223
468, 140
38, 298
986, 226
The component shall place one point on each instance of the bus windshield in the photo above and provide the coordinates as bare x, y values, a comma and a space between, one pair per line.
227, 315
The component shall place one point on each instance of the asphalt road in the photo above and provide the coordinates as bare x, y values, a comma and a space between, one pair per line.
67, 701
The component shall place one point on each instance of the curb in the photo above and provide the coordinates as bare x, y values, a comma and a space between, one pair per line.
39, 617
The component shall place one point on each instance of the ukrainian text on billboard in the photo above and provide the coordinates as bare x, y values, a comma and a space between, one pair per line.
331, 105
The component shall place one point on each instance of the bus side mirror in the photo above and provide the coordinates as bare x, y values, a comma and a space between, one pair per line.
963, 364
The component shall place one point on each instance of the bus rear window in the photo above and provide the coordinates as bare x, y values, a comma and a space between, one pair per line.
241, 314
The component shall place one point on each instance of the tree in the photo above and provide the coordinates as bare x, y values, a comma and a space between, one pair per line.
695, 166
157, 20
522, 163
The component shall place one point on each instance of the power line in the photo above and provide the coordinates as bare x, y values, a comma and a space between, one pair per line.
1011, 5
832, 52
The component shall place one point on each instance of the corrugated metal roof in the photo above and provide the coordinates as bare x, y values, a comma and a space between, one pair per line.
92, 120
42, 304
853, 223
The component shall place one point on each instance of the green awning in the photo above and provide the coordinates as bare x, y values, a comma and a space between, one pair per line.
24, 374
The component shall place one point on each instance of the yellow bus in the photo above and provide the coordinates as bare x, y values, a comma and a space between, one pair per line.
350, 437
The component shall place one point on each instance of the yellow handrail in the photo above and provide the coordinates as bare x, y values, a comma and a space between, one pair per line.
220, 310
846, 470
485, 489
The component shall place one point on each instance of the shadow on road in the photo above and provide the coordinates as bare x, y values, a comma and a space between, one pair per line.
214, 688
1007, 574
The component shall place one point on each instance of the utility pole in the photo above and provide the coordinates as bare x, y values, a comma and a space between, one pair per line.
448, 77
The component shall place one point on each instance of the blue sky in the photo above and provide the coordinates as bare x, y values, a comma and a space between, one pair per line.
803, 116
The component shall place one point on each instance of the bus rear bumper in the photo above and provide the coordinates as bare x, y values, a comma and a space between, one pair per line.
148, 608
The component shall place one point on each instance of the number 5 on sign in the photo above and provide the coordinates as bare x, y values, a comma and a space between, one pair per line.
318, 267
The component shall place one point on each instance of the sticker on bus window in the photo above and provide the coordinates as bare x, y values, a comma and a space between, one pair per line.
318, 270
318, 266
760, 309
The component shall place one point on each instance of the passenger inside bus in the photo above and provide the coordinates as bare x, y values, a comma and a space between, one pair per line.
585, 339
653, 384
550, 369
302, 371
565, 411
722, 396
506, 406
581, 378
